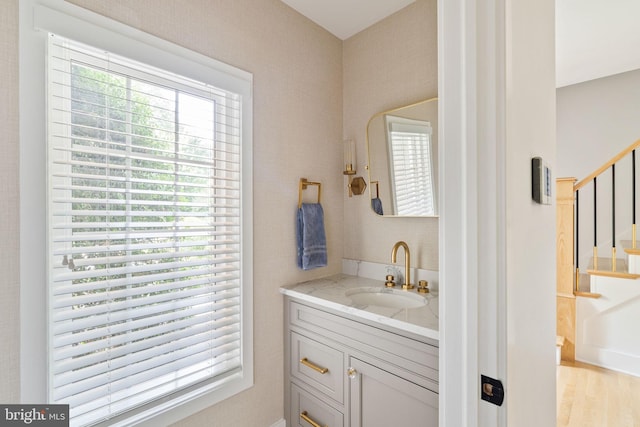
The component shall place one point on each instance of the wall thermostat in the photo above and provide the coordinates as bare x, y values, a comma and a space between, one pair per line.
540, 181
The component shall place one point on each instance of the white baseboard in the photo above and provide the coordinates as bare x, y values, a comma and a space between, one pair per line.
281, 423
612, 360
606, 333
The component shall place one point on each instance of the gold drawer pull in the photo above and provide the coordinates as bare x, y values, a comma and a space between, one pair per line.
306, 362
306, 417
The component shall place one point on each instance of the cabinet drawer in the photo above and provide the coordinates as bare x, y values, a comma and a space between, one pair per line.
306, 410
318, 365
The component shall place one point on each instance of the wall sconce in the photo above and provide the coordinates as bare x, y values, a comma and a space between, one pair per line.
349, 157
356, 184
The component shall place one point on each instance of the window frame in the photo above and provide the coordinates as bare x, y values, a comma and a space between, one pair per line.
37, 18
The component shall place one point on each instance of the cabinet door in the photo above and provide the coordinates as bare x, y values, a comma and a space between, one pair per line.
379, 398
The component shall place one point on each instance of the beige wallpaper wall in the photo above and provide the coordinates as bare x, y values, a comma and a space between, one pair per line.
391, 64
9, 208
297, 69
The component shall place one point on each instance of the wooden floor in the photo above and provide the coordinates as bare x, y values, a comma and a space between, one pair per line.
589, 396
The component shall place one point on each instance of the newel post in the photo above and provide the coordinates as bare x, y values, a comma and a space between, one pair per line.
565, 274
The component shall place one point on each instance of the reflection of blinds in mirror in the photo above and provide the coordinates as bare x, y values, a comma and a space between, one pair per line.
411, 167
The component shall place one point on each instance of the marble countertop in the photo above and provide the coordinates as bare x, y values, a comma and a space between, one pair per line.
331, 292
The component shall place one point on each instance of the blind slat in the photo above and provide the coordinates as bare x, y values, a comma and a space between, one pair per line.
68, 354
221, 282
145, 354
104, 329
112, 322
91, 238
155, 272
122, 377
96, 298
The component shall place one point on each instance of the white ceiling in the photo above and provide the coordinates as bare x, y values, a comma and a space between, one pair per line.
344, 18
594, 38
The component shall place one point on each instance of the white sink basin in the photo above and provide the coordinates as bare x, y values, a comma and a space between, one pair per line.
385, 297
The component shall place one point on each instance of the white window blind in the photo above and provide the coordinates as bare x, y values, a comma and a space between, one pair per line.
411, 167
144, 226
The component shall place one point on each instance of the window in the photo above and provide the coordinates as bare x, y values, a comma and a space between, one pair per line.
146, 235
411, 167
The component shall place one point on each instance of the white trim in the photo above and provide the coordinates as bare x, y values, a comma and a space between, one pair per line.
472, 207
33, 310
80, 24
492, 203
95, 30
279, 423
609, 359
458, 372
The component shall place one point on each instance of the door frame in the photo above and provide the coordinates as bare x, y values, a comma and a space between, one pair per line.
488, 93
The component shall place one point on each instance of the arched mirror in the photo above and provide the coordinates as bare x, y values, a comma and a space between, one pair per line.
402, 146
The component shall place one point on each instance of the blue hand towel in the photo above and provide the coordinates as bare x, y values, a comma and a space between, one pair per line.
312, 243
376, 204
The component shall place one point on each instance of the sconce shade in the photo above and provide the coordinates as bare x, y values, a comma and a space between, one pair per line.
349, 157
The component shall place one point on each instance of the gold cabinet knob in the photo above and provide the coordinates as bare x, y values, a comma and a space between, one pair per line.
351, 373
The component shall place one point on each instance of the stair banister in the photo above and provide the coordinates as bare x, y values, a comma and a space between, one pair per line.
606, 166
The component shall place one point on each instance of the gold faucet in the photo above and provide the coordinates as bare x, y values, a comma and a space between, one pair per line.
407, 263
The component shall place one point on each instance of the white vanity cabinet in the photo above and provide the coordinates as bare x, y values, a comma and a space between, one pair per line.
344, 371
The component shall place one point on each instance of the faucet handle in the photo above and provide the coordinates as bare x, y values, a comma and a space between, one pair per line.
389, 281
422, 286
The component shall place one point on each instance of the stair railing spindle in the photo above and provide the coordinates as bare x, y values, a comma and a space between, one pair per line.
595, 223
577, 239
613, 217
633, 199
